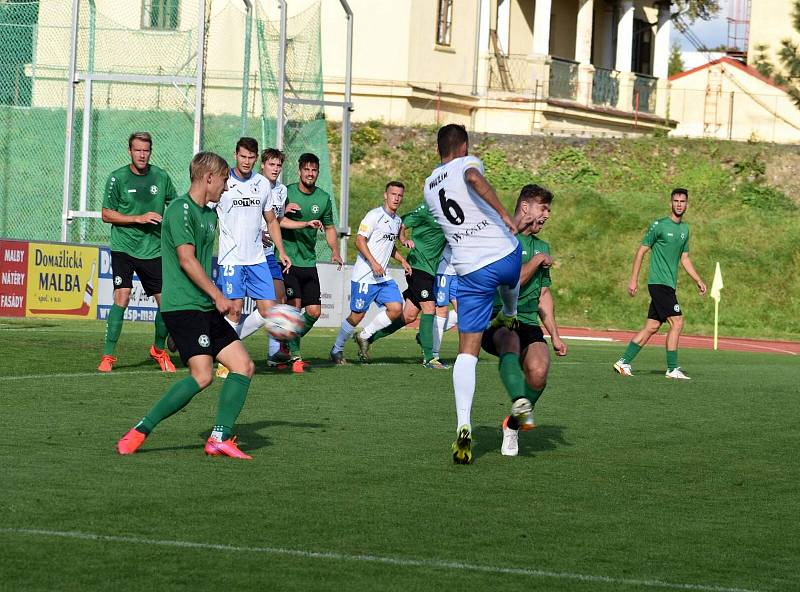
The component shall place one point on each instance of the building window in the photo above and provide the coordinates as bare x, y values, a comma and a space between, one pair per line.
160, 14
444, 22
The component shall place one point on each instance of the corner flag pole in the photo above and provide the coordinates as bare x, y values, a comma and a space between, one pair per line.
716, 286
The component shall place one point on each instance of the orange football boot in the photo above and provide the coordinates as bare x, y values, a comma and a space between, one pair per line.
130, 442
162, 357
107, 363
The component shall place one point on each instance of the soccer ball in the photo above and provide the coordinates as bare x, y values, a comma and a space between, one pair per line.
283, 322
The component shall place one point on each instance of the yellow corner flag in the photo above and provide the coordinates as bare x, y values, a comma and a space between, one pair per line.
716, 286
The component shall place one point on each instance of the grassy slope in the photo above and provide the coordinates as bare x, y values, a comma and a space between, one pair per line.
607, 192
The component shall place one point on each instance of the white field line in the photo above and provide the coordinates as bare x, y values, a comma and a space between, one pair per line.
438, 564
582, 338
117, 373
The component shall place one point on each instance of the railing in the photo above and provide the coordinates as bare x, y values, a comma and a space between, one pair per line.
644, 93
605, 87
563, 79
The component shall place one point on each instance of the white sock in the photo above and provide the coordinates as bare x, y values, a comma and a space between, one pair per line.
345, 331
438, 331
252, 323
235, 324
452, 320
381, 321
464, 387
509, 297
274, 346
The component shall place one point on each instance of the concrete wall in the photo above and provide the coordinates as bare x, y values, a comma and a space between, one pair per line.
770, 22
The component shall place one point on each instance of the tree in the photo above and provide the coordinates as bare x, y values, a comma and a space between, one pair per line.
696, 9
675, 60
787, 72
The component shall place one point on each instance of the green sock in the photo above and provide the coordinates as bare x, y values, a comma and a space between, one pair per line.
426, 335
294, 344
161, 332
169, 404
308, 322
631, 351
532, 394
113, 328
396, 325
512, 376
231, 401
672, 359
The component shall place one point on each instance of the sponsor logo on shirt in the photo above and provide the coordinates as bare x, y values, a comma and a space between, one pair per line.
315, 209
457, 236
246, 202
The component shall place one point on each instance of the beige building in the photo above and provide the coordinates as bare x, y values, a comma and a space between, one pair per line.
501, 66
770, 23
727, 100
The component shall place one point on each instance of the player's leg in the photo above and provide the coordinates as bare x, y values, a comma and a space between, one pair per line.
258, 285
122, 271
509, 292
360, 298
149, 272
190, 330
310, 300
230, 351
410, 311
388, 295
443, 283
656, 315
277, 352
673, 337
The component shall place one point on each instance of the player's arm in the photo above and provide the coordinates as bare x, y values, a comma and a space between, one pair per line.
398, 256
633, 284
478, 182
332, 238
192, 267
403, 238
548, 317
109, 212
274, 228
530, 268
363, 248
687, 265
296, 224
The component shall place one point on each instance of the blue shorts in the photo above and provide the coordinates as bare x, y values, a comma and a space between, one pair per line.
363, 294
238, 281
446, 289
274, 267
476, 291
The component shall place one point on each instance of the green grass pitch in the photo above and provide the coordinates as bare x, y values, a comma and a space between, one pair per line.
627, 484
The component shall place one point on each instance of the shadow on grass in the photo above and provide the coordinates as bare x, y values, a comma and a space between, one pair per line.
542, 439
248, 436
413, 362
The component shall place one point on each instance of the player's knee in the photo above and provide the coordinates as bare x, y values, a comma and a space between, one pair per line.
249, 368
676, 322
203, 378
393, 312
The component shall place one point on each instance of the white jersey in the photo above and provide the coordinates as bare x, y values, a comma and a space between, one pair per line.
241, 211
381, 230
445, 265
474, 230
278, 204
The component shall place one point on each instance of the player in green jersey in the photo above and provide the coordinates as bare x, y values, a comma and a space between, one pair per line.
426, 246
668, 239
311, 204
522, 349
194, 309
134, 202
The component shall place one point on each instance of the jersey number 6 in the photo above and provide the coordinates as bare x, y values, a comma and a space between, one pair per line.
450, 208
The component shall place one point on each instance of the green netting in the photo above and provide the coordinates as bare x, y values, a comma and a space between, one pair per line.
146, 37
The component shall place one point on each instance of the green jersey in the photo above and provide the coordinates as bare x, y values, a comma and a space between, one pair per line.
529, 293
300, 243
133, 195
667, 241
428, 239
186, 223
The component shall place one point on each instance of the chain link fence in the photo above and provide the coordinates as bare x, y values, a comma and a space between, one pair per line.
153, 46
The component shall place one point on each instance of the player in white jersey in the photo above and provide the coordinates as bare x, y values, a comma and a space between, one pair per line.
242, 268
370, 282
446, 293
485, 254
